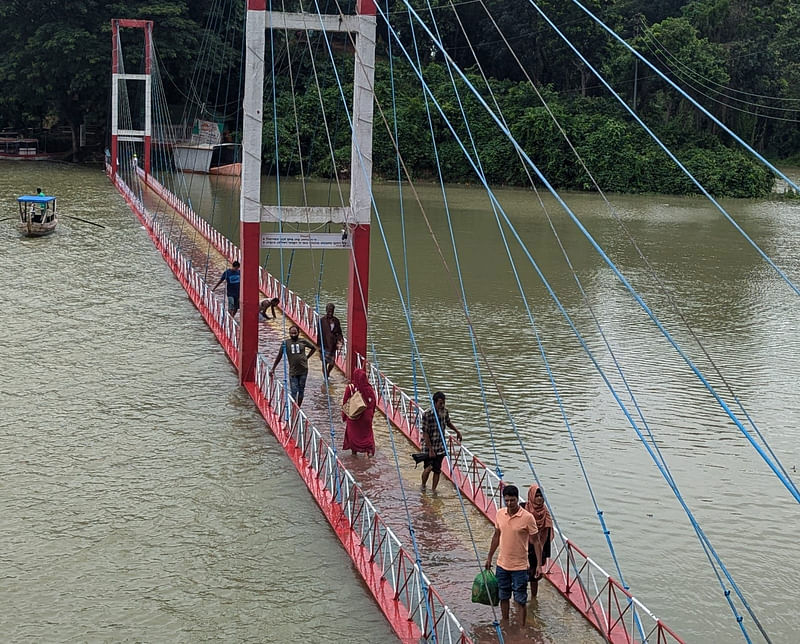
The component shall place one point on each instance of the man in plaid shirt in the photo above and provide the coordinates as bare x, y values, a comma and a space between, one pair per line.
434, 422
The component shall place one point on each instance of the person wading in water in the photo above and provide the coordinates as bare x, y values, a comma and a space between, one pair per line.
294, 347
434, 422
515, 532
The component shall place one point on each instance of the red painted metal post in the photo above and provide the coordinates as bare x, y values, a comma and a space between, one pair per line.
357, 296
133, 24
250, 200
248, 322
567, 583
366, 7
114, 52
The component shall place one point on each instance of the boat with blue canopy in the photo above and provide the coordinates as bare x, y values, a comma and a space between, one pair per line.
37, 215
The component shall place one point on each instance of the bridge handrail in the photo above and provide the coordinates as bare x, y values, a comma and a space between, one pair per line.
409, 584
187, 274
585, 585
483, 487
295, 306
626, 619
217, 239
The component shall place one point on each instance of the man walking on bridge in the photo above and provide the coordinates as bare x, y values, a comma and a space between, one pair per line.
329, 339
295, 349
515, 531
233, 278
434, 422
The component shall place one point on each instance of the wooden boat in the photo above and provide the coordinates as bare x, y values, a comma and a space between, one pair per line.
18, 149
37, 215
226, 160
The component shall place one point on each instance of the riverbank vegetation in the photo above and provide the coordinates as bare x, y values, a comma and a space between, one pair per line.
738, 58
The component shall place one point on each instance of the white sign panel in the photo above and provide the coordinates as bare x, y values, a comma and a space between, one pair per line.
304, 240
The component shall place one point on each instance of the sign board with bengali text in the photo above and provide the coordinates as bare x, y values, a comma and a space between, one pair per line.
304, 240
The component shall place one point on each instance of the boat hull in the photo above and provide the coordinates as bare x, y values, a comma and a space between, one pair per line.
36, 229
193, 158
228, 170
204, 158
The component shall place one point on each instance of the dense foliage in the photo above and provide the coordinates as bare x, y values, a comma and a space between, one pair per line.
55, 57
738, 58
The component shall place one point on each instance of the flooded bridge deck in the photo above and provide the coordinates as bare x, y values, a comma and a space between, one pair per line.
448, 555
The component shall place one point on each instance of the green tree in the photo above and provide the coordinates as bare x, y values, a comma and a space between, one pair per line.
55, 59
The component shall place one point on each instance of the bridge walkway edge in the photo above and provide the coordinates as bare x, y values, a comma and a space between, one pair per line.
611, 609
380, 559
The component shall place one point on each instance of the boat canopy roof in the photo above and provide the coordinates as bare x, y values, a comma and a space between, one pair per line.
35, 199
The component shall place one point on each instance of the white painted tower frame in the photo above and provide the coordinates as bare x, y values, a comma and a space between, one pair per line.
361, 141
145, 135
356, 216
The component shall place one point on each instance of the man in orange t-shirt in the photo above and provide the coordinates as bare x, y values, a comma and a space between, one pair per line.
514, 532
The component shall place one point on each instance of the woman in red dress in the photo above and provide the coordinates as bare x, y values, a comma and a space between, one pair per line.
358, 436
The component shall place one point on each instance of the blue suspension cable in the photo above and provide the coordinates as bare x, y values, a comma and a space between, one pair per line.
498, 470
397, 283
784, 479
546, 362
337, 483
725, 214
719, 207
440, 429
412, 532
278, 190
402, 205
563, 313
672, 156
479, 168
625, 230
400, 295
682, 92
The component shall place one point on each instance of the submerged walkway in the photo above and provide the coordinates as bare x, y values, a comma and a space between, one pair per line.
447, 550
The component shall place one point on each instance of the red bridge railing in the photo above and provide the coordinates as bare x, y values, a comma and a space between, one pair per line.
406, 596
612, 610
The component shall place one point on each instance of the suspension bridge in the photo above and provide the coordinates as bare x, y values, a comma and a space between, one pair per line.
422, 595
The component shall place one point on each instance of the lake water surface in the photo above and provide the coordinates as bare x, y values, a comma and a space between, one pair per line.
143, 499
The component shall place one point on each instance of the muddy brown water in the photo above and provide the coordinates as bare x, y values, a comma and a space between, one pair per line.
144, 500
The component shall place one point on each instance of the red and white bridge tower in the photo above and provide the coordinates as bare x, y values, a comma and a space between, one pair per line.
144, 135
355, 217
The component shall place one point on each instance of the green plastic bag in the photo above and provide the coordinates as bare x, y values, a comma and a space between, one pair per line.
485, 589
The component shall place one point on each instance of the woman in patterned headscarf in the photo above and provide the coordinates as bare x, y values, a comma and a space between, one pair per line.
544, 522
